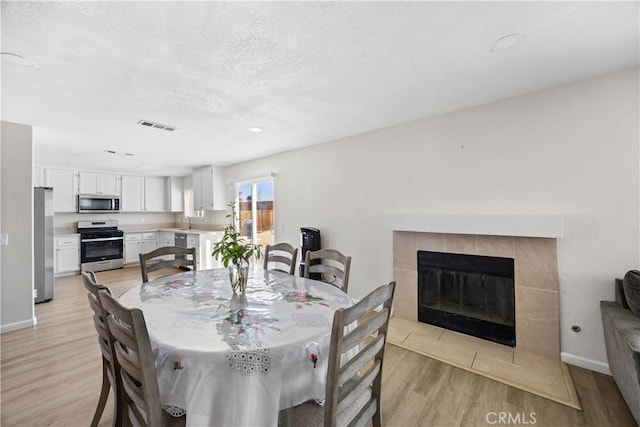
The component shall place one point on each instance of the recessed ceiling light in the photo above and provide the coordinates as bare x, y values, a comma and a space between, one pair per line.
20, 60
507, 42
115, 152
255, 130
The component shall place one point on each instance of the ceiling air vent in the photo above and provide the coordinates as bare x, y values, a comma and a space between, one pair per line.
147, 123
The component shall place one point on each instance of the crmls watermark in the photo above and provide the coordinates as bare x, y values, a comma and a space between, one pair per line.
522, 418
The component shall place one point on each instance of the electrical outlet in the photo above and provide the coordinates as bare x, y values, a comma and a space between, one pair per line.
35, 293
4, 240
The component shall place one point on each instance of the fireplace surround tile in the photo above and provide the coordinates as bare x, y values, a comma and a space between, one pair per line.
404, 250
536, 290
500, 246
536, 263
460, 244
430, 241
405, 300
537, 324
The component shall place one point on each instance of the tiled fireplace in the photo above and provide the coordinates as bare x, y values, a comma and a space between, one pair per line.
536, 279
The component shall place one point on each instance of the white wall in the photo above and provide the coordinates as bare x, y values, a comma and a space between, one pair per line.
126, 220
572, 150
16, 286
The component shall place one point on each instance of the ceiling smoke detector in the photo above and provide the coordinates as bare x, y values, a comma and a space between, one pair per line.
151, 124
507, 42
20, 60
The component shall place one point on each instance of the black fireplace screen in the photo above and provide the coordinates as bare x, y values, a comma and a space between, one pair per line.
470, 294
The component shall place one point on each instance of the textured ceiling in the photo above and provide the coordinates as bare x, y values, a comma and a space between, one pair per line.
306, 72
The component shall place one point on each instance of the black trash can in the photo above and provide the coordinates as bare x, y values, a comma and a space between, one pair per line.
309, 241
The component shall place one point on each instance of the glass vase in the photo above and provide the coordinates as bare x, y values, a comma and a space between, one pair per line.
238, 275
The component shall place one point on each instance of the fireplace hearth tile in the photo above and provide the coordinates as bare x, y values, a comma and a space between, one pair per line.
397, 335
538, 363
550, 386
458, 355
414, 327
469, 343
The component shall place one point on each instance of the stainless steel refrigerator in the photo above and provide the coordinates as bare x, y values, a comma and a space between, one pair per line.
43, 243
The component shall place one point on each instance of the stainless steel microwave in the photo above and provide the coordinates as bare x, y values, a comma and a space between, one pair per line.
98, 203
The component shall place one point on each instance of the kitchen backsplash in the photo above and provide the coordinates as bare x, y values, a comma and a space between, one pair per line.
66, 222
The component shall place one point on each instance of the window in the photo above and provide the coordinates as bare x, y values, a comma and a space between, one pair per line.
254, 202
188, 206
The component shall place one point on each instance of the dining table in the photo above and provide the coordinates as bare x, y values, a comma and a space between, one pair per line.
229, 359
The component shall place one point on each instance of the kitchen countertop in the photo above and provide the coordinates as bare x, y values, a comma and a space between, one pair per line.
189, 231
172, 230
67, 235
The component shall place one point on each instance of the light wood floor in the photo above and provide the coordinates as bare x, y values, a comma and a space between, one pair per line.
50, 376
530, 372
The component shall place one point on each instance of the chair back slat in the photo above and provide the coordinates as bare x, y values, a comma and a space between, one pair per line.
354, 385
151, 261
368, 327
141, 395
368, 304
332, 266
280, 257
359, 361
357, 388
365, 415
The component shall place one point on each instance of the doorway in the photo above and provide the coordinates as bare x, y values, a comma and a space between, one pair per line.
254, 200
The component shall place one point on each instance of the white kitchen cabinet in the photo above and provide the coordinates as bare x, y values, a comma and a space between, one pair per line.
196, 181
66, 256
203, 242
149, 242
99, 183
167, 238
209, 189
38, 177
174, 198
132, 198
65, 188
138, 243
154, 194
143, 194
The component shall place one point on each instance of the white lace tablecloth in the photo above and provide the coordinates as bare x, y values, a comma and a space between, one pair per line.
236, 361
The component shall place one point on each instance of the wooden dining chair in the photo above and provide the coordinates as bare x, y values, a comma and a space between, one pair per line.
331, 265
353, 389
280, 257
152, 261
110, 379
135, 362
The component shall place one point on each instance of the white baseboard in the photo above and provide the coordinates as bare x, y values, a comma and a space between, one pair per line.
18, 325
583, 362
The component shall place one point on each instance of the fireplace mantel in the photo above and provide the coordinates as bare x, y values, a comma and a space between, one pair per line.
546, 226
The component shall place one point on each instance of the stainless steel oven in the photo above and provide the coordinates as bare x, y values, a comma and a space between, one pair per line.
101, 245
